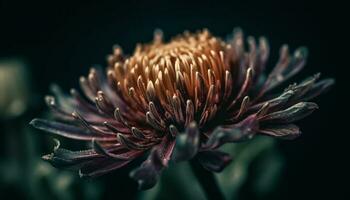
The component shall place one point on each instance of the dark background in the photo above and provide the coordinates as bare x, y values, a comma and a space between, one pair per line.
60, 41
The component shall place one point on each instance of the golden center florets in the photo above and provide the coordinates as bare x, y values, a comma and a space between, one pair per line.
180, 78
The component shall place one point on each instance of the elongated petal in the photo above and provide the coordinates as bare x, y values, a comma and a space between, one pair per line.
291, 114
318, 88
302, 88
277, 102
128, 155
287, 131
287, 67
68, 131
128, 143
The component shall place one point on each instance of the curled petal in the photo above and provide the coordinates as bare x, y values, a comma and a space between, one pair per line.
214, 160
147, 174
63, 158
237, 133
89, 163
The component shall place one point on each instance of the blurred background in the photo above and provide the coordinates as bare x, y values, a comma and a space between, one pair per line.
55, 42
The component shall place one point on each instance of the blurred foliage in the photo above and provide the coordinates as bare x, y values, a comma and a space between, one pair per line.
14, 88
257, 165
23, 174
23, 171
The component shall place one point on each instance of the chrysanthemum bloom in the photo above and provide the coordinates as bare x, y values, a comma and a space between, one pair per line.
178, 101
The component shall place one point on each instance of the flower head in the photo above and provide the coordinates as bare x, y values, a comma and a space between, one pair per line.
178, 101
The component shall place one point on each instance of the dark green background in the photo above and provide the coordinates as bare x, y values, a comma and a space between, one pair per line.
60, 41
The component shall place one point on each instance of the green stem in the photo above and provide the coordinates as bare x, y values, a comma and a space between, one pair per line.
207, 181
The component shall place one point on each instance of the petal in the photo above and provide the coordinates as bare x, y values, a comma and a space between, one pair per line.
239, 132
286, 131
89, 163
69, 131
110, 152
277, 102
318, 88
214, 160
287, 67
133, 145
291, 114
63, 158
147, 174
302, 88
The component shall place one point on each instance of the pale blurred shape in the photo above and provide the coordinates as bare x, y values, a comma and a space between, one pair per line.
14, 88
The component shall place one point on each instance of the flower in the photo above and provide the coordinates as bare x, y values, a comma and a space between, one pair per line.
178, 101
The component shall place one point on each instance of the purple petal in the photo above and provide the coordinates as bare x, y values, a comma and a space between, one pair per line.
89, 163
318, 88
275, 102
287, 131
236, 133
291, 114
286, 67
63, 158
302, 88
147, 174
108, 152
69, 131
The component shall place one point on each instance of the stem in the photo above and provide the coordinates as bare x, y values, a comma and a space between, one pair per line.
207, 181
